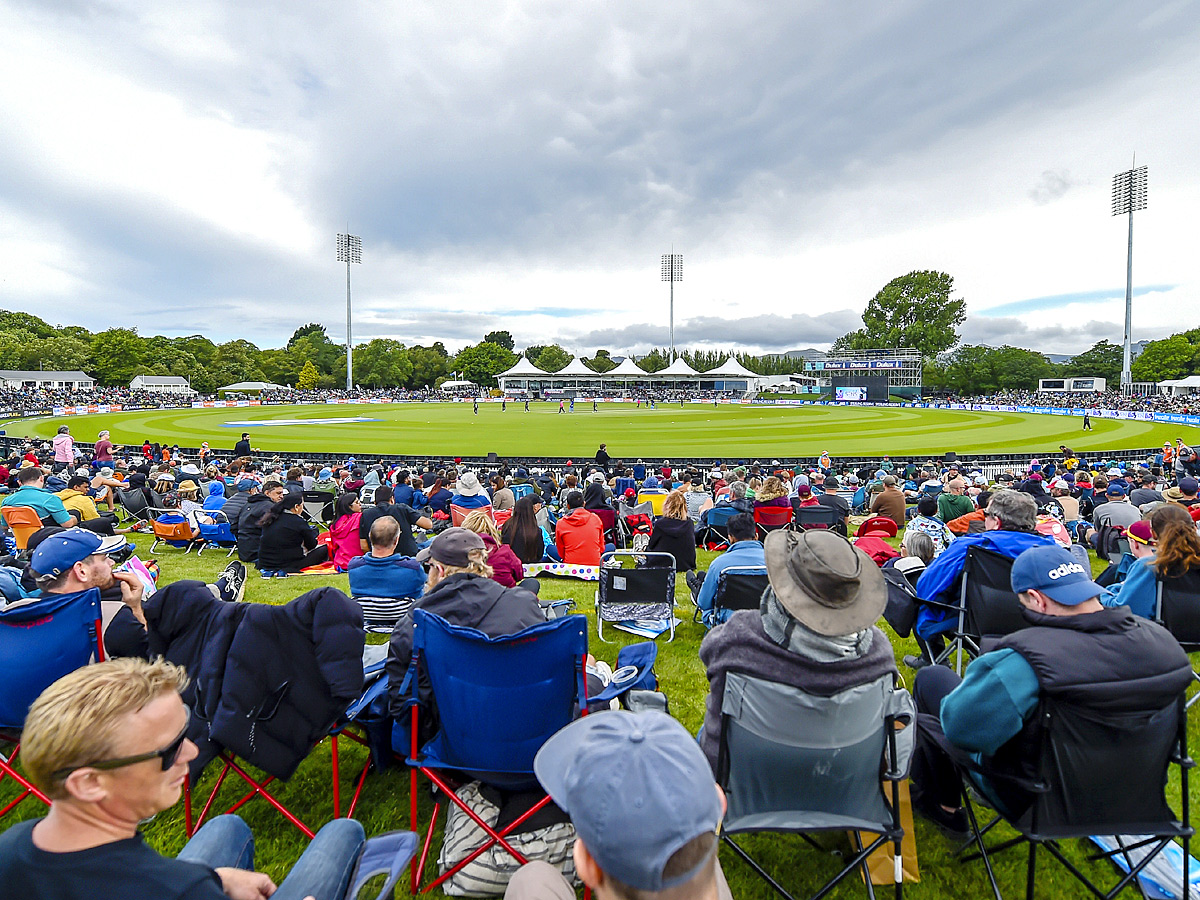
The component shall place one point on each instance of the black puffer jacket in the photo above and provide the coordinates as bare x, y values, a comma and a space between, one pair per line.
292, 671
466, 600
249, 532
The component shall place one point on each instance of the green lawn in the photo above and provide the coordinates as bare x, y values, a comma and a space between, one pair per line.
724, 432
385, 798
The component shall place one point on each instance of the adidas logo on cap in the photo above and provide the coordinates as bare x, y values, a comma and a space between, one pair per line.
1064, 570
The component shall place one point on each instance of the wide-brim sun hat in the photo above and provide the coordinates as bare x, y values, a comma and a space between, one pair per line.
468, 485
824, 582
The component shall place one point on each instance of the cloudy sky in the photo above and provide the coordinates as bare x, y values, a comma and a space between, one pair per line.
185, 168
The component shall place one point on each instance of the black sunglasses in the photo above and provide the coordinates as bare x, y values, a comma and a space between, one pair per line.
168, 755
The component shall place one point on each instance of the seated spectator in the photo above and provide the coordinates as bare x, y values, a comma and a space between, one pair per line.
889, 502
189, 495
405, 493
678, 814
325, 482
1188, 488
744, 550
1132, 582
506, 568
103, 487
521, 532
1116, 511
651, 485
371, 482
773, 493
1163, 548
972, 522
815, 630
249, 527
294, 480
594, 495
1147, 492
438, 498
953, 502
288, 543
31, 492
460, 589
804, 493
829, 497
102, 451
355, 481
384, 572
470, 493
232, 510
579, 535
926, 522
570, 484
674, 533
407, 517
736, 499
502, 495
344, 530
1011, 519
107, 745
1129, 665
215, 500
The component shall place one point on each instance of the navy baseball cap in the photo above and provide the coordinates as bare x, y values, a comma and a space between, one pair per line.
57, 553
1116, 489
637, 788
1056, 573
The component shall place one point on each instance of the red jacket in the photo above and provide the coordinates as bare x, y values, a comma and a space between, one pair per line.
506, 568
579, 536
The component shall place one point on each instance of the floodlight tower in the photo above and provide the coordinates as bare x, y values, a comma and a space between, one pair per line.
672, 271
349, 248
1128, 196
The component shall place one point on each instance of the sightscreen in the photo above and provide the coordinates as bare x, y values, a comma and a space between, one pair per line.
860, 388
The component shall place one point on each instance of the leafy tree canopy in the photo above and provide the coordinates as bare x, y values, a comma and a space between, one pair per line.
913, 310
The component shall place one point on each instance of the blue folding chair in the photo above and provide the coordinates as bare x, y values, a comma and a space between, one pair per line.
41, 640
521, 490
220, 534
498, 700
717, 526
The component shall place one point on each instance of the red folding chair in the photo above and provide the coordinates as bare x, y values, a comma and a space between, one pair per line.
772, 518
541, 669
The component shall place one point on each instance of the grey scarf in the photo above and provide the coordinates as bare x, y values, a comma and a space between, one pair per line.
790, 634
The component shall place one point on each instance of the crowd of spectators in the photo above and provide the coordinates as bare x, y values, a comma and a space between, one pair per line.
1156, 402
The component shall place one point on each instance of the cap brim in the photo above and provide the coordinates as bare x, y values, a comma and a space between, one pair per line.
552, 764
1073, 594
423, 555
111, 543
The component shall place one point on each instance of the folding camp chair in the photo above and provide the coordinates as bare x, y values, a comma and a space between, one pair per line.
799, 763
878, 524
623, 484
41, 640
318, 508
624, 514
521, 490
498, 700
740, 587
219, 534
1177, 609
175, 530
656, 501
500, 516
458, 513
814, 516
134, 506
771, 518
1095, 775
24, 521
987, 605
716, 530
695, 501
608, 519
630, 594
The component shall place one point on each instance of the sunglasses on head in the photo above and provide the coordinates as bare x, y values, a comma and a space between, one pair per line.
167, 755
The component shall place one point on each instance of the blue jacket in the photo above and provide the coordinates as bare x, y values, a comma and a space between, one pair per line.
743, 553
394, 576
408, 495
475, 501
1139, 590
938, 580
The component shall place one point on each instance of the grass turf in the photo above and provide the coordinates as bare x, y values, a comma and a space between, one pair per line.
384, 804
694, 430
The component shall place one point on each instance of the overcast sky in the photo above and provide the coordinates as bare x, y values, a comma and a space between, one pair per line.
185, 168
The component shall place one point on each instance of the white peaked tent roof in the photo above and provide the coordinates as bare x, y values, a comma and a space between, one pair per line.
576, 367
523, 367
628, 367
731, 368
679, 367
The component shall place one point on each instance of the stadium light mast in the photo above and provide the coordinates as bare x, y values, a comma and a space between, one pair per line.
672, 271
349, 249
1129, 196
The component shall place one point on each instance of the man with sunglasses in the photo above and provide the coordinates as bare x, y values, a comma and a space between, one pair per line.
107, 745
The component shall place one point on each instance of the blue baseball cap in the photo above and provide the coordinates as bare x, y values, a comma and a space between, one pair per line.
1115, 489
1056, 573
57, 553
247, 484
637, 788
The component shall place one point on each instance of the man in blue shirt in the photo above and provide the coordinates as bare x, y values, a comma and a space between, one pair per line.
31, 491
744, 550
383, 581
1074, 650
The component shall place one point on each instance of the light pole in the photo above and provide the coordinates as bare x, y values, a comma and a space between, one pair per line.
672, 271
1128, 195
349, 248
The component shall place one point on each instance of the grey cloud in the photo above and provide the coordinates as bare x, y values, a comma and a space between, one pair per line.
1052, 185
1055, 336
768, 331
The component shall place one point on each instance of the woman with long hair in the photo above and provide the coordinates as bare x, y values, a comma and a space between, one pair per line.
438, 496
522, 532
772, 493
347, 516
507, 569
674, 533
1177, 544
288, 543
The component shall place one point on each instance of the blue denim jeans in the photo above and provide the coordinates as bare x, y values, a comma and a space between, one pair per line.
323, 870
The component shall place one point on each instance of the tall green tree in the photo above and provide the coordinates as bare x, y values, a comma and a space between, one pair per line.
502, 338
913, 310
552, 358
1102, 360
308, 377
1172, 357
483, 362
116, 356
601, 362
312, 329
382, 363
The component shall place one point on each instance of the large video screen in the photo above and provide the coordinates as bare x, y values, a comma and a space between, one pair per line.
860, 388
850, 393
